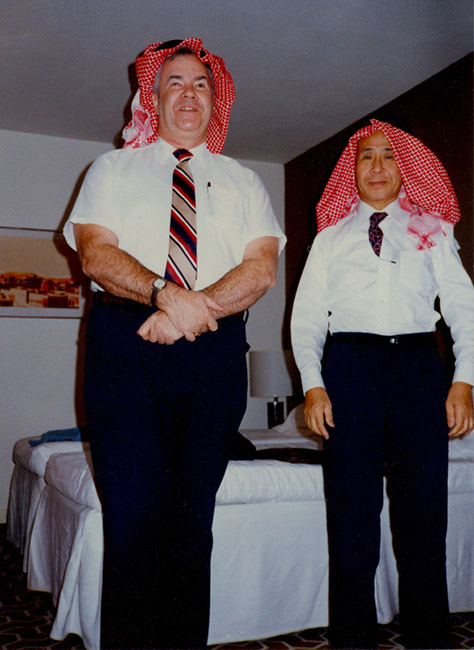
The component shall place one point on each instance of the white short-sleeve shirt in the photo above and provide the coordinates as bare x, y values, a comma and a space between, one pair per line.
128, 191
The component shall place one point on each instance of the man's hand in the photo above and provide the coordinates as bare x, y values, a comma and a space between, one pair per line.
159, 329
459, 409
188, 311
318, 411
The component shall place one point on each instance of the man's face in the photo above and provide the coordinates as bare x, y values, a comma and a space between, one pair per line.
184, 103
377, 177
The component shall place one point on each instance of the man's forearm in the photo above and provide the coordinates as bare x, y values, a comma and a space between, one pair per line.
241, 287
114, 269
122, 275
190, 311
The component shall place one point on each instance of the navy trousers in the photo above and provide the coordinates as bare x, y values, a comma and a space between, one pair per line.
162, 421
388, 406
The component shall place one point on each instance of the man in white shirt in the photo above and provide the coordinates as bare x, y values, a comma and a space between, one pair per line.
378, 394
179, 242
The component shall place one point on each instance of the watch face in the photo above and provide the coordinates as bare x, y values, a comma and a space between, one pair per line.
159, 283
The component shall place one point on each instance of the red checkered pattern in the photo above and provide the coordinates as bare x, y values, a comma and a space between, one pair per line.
143, 128
427, 192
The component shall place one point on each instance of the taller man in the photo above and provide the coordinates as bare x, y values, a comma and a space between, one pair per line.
179, 241
384, 252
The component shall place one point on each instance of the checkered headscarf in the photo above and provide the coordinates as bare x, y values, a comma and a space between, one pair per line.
426, 192
143, 128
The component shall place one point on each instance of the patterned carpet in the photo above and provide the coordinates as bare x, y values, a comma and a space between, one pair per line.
26, 618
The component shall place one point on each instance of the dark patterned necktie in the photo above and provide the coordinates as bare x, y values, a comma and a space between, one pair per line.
375, 233
181, 266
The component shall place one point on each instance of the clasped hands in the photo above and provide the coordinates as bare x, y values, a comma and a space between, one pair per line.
181, 313
459, 410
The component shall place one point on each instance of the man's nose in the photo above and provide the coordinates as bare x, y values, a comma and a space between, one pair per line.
189, 90
377, 164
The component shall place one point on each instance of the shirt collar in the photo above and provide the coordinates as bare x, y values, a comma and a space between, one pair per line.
165, 151
394, 226
393, 210
365, 210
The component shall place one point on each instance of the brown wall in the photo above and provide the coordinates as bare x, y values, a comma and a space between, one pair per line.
439, 112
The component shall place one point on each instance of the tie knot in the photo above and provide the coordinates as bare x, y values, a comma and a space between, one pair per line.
182, 155
377, 217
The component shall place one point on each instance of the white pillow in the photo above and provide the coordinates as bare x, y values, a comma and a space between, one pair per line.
36, 458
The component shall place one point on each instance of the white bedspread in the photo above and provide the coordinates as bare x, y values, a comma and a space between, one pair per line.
246, 481
27, 485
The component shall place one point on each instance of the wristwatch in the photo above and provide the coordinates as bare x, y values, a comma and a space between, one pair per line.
158, 285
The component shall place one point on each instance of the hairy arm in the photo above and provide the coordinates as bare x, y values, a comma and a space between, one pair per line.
112, 268
120, 273
243, 285
237, 290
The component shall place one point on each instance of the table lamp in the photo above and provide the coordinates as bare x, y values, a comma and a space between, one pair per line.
270, 376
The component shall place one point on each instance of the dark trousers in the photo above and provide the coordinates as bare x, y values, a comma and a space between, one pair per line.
161, 419
388, 406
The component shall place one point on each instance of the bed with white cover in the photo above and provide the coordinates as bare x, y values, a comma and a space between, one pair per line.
269, 562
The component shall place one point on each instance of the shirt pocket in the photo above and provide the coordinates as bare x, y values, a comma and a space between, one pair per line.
224, 205
416, 271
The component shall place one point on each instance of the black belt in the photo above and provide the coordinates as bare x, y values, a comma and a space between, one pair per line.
105, 298
421, 339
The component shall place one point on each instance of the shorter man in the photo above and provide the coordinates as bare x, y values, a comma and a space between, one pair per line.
371, 280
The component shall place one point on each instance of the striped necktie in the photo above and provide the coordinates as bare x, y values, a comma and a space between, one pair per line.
181, 266
375, 232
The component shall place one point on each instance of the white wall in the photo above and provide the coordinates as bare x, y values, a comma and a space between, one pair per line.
40, 364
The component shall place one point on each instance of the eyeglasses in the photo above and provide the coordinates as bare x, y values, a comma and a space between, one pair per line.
174, 43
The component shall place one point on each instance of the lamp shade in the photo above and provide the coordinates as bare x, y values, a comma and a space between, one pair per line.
270, 373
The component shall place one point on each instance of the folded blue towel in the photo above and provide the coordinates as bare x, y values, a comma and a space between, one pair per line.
58, 435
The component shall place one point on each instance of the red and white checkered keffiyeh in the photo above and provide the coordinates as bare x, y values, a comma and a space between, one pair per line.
143, 128
426, 193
